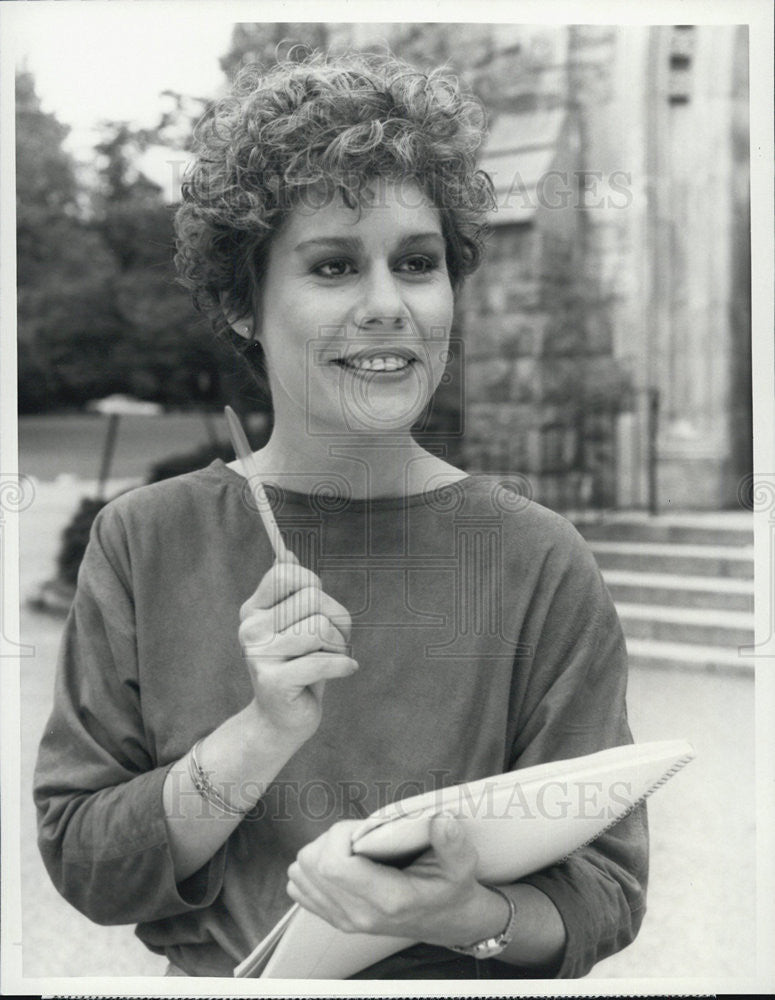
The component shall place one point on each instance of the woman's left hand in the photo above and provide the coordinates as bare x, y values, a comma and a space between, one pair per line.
436, 899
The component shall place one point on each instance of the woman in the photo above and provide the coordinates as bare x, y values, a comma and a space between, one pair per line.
221, 720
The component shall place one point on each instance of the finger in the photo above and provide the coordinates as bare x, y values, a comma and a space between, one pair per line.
317, 632
316, 667
329, 860
337, 839
304, 671
308, 636
278, 583
337, 614
303, 604
303, 891
324, 908
297, 606
449, 840
317, 626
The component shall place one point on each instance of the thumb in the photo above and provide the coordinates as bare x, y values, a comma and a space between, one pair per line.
449, 840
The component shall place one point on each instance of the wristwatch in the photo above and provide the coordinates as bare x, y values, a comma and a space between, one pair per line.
490, 947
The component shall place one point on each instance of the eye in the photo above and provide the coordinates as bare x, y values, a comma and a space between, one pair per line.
418, 264
337, 268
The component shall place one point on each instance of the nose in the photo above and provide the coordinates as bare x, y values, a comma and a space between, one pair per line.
381, 305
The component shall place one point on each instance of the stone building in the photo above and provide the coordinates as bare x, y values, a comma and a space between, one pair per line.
606, 343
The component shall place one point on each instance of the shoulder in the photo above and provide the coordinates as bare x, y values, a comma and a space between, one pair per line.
184, 500
535, 543
508, 498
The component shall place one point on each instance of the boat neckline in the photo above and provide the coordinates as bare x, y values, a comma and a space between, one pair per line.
330, 497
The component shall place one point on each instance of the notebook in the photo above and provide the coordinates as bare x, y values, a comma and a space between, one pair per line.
519, 822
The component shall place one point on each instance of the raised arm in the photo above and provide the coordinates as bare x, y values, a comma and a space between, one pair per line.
293, 636
124, 838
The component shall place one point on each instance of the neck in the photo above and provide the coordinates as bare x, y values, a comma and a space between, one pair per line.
359, 465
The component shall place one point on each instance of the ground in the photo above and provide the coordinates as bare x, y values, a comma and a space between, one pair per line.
700, 921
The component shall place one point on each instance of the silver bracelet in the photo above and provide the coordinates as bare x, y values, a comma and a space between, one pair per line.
205, 787
490, 947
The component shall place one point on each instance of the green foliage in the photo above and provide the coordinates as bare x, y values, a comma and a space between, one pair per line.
74, 540
66, 318
179, 465
75, 536
99, 308
46, 184
262, 42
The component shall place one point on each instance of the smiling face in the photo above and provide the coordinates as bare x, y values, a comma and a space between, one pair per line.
355, 312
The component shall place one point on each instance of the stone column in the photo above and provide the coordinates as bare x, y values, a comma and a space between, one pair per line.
692, 217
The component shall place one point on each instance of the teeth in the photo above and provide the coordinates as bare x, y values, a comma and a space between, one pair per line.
388, 363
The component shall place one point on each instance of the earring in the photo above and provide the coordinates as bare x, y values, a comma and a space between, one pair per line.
246, 329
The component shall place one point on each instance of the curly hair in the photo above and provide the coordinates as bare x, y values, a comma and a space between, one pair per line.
336, 121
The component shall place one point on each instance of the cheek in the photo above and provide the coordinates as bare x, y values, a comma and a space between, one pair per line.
287, 329
440, 325
446, 306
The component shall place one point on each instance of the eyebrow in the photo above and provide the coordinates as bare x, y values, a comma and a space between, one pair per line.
356, 243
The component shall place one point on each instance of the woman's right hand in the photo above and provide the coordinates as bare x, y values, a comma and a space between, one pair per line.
294, 637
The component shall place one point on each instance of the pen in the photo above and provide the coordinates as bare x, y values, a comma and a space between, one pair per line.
247, 462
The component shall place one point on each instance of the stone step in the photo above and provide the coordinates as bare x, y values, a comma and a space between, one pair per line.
725, 528
674, 590
688, 656
731, 561
702, 626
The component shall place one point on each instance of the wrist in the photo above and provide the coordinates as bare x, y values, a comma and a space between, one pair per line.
263, 740
483, 916
494, 932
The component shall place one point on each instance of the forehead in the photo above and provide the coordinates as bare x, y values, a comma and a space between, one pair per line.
385, 207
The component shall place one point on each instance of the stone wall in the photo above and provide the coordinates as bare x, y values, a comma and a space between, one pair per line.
617, 265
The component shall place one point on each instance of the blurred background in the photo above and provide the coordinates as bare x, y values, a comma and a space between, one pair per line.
607, 342
603, 353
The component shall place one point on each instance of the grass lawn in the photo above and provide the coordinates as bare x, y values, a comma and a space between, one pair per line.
54, 445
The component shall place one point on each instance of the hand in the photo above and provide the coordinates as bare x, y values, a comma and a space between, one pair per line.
437, 899
294, 637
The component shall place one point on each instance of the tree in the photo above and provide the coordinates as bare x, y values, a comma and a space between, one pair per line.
99, 308
64, 310
259, 42
166, 350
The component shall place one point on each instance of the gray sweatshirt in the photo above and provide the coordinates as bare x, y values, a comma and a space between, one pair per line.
486, 639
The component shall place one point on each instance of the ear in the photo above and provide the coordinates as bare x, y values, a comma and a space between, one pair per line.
244, 326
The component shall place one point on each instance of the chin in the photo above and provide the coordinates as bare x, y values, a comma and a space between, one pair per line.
394, 410
384, 419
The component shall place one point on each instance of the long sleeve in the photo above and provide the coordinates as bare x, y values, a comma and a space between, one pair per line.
101, 825
573, 703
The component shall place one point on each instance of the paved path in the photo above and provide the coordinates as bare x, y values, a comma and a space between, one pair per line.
71, 444
701, 904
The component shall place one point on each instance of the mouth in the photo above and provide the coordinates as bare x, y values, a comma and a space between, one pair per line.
378, 362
